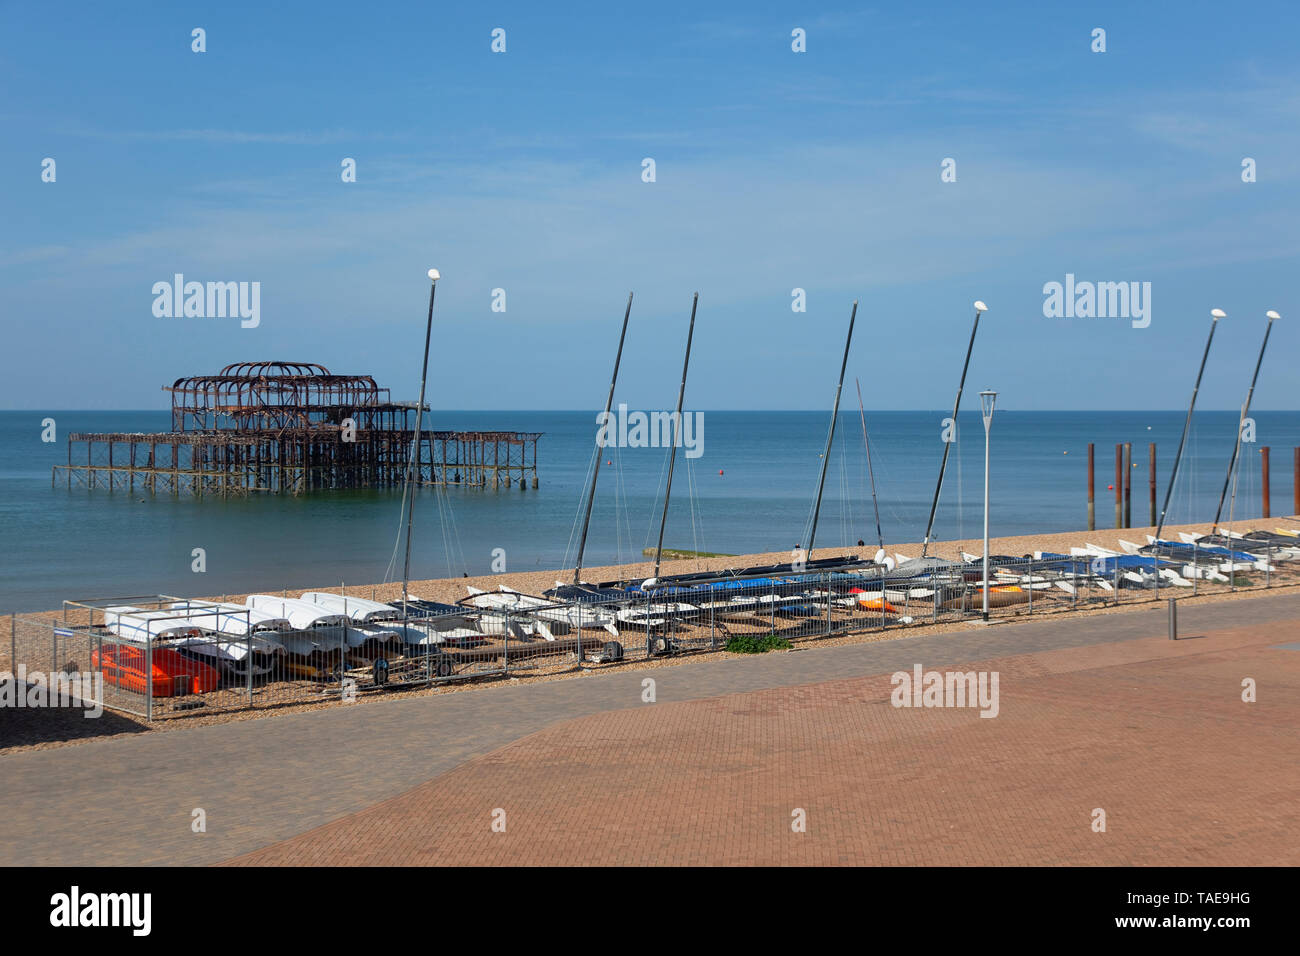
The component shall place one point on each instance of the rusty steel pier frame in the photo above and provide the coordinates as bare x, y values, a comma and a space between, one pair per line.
291, 427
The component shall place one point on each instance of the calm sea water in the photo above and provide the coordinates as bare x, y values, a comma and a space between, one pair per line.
751, 490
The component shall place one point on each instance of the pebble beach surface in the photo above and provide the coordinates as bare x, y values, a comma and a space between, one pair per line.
39, 729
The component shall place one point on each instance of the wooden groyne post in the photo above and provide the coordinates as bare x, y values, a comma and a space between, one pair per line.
1092, 506
1151, 479
1263, 483
1128, 484
1119, 485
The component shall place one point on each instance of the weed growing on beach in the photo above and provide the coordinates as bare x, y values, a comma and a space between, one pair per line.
749, 644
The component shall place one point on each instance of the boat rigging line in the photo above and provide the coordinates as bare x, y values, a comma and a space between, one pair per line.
866, 442
980, 307
595, 473
677, 424
434, 276
1245, 411
830, 435
1215, 315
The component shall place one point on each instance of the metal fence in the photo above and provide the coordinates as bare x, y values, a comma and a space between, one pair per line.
160, 656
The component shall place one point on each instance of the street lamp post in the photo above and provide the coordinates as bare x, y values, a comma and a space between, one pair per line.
987, 400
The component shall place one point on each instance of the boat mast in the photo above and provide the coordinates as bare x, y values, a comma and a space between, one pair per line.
870, 471
1215, 315
409, 490
830, 437
1245, 410
609, 403
947, 446
677, 424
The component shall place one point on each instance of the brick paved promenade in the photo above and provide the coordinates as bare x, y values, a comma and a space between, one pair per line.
1095, 712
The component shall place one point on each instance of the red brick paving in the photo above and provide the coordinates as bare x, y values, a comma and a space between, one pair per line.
1152, 731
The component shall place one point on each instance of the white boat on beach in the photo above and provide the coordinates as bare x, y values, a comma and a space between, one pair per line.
370, 615
355, 608
540, 615
331, 625
193, 627
236, 618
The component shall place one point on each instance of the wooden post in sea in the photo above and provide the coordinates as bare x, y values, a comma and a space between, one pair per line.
1295, 484
1092, 506
1119, 486
1128, 484
1151, 480
1263, 483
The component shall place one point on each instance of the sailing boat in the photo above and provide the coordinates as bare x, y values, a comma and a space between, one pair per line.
980, 308
1216, 535
621, 597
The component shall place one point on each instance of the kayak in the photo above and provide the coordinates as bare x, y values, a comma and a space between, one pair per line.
174, 674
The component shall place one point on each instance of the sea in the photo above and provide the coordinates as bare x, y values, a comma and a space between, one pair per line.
748, 486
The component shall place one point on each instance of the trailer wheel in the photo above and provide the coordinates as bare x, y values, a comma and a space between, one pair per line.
444, 667
612, 651
656, 646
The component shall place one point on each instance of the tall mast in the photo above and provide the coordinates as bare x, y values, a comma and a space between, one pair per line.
1215, 314
870, 471
947, 446
409, 491
677, 424
830, 437
1245, 410
609, 403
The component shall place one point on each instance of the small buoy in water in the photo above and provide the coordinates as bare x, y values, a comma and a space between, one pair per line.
608, 462
1065, 453
1110, 487
719, 471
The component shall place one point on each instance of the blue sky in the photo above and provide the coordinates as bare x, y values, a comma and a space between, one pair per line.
775, 170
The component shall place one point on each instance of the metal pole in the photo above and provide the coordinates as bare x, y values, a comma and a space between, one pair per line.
148, 682
415, 445
830, 437
1178, 458
609, 403
1241, 423
934, 504
1173, 619
677, 422
986, 517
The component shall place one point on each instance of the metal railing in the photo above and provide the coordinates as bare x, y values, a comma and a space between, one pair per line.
165, 670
